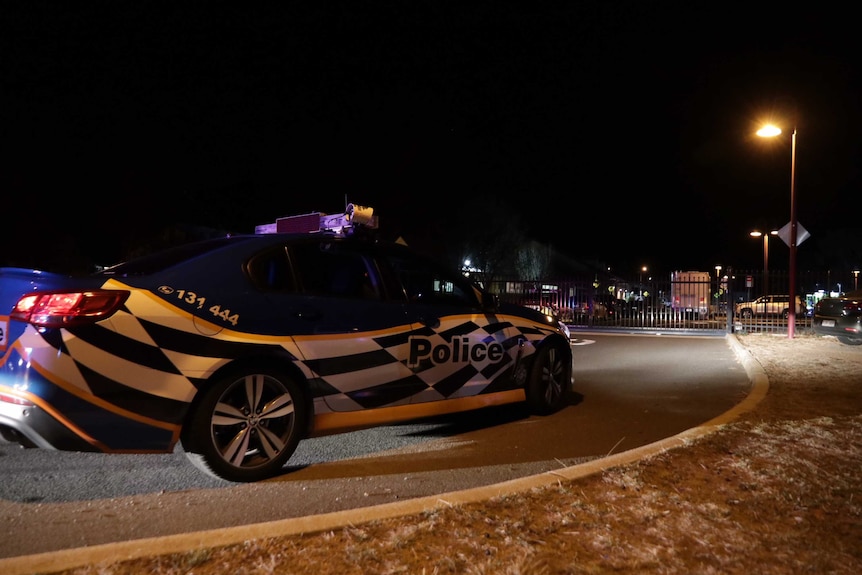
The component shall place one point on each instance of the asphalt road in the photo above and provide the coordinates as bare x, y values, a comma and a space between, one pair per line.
631, 390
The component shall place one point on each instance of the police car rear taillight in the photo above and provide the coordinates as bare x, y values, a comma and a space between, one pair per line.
15, 400
66, 309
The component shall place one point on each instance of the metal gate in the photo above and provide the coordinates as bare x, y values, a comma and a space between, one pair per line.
646, 304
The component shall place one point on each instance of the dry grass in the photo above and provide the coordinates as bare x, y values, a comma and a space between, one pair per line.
777, 491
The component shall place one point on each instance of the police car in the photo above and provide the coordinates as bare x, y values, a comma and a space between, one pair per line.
239, 347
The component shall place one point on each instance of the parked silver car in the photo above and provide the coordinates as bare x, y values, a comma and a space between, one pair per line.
769, 305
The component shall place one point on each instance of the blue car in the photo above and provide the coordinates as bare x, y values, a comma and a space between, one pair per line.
239, 347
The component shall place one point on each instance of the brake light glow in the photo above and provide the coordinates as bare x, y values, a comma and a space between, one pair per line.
66, 309
15, 400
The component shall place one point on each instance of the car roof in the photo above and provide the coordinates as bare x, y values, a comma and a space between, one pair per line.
242, 246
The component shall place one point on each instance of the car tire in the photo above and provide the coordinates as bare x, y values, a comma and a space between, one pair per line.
246, 426
550, 380
746, 314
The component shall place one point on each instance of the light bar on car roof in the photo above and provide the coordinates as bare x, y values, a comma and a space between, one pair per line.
353, 217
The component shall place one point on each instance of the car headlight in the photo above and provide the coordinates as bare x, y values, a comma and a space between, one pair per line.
565, 329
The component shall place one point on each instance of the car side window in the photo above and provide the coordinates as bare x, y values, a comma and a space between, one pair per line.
426, 282
270, 271
324, 268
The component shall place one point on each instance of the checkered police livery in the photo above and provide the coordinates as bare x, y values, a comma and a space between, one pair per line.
239, 347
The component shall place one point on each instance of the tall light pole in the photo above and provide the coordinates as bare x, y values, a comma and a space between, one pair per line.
717, 289
769, 131
855, 280
640, 299
757, 234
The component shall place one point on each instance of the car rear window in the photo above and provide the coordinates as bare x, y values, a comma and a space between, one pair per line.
167, 258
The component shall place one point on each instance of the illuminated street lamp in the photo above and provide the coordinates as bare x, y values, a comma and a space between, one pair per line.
855, 280
770, 131
641, 282
723, 297
757, 234
718, 291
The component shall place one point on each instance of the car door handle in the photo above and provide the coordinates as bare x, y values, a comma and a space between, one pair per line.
309, 315
432, 322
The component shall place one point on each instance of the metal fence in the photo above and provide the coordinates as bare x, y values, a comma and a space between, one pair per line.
648, 304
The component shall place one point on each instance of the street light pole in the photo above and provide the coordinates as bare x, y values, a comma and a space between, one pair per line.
757, 234
718, 293
791, 318
770, 131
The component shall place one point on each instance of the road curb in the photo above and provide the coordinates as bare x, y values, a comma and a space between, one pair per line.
122, 551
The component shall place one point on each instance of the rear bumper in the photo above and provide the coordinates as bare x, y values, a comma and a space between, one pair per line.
846, 327
31, 426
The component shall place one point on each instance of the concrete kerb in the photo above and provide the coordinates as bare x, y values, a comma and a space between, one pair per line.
122, 551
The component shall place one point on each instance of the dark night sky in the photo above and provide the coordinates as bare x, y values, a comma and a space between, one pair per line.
623, 132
